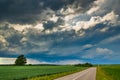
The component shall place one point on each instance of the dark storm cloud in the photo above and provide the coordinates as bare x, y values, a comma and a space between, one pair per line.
58, 29
14, 39
56, 37
20, 11
63, 43
24, 11
52, 24
11, 37
49, 25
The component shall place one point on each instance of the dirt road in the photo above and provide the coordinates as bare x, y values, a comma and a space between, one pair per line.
88, 74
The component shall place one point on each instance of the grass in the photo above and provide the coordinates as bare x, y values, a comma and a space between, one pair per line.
27, 72
54, 76
109, 72
101, 74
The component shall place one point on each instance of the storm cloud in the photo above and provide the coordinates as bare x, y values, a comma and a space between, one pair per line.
83, 29
25, 12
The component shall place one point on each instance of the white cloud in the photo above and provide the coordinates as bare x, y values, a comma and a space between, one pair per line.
92, 10
3, 40
110, 18
12, 61
54, 18
20, 27
100, 7
96, 8
87, 24
33, 61
88, 46
24, 39
99, 52
3, 43
7, 60
44, 15
67, 11
103, 51
39, 26
70, 62
69, 17
110, 39
104, 29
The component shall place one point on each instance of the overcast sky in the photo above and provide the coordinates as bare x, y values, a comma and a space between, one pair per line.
60, 31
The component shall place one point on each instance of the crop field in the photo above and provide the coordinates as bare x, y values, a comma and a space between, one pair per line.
110, 72
27, 72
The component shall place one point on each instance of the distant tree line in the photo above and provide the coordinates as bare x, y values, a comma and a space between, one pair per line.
84, 65
21, 60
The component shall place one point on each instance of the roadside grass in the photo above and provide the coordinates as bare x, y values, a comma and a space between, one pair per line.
54, 76
101, 74
109, 72
27, 72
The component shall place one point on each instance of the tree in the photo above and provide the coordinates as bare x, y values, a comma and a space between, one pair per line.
21, 60
84, 65
88, 65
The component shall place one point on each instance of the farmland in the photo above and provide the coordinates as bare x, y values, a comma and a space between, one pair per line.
26, 72
108, 72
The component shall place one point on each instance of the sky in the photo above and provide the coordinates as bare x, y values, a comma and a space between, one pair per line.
60, 31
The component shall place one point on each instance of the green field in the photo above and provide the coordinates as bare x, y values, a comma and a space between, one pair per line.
27, 72
108, 72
